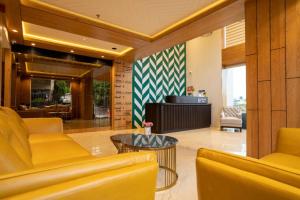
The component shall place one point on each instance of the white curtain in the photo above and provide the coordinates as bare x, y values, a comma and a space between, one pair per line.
233, 84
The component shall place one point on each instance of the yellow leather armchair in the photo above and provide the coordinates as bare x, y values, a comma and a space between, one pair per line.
273, 177
38, 161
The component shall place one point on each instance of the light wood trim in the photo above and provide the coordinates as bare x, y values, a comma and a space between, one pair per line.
252, 134
250, 27
67, 49
63, 22
251, 82
264, 117
293, 105
13, 20
263, 40
277, 24
278, 121
7, 77
278, 79
233, 55
227, 15
292, 38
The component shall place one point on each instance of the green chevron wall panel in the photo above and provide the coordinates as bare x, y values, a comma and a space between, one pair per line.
156, 76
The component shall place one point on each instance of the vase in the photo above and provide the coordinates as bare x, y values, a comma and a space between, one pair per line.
148, 130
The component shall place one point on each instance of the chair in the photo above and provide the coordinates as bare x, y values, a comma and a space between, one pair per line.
275, 176
231, 117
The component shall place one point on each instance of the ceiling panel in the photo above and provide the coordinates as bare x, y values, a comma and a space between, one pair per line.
143, 16
34, 32
55, 68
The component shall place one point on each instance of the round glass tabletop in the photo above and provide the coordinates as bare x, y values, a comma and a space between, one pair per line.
141, 141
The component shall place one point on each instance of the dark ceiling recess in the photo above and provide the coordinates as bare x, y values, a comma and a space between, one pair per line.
18, 48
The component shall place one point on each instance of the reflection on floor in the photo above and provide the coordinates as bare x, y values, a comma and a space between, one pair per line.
98, 143
79, 125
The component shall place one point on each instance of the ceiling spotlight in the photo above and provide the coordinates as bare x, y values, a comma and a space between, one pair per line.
19, 53
14, 30
102, 56
114, 48
32, 44
13, 41
72, 51
31, 75
72, 78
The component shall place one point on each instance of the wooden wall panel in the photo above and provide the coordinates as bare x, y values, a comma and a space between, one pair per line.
86, 97
251, 88
250, 26
277, 24
293, 102
263, 39
278, 79
278, 121
292, 38
233, 55
252, 133
264, 117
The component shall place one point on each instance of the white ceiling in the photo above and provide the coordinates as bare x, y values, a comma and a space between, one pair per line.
41, 33
143, 16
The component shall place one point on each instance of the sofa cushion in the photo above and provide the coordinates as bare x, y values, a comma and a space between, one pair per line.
282, 159
47, 137
46, 152
231, 120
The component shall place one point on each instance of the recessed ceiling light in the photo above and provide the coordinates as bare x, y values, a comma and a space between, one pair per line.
31, 75
19, 53
72, 51
114, 48
102, 56
72, 78
14, 30
13, 41
32, 44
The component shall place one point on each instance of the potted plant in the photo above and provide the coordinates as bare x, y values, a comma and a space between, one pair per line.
147, 127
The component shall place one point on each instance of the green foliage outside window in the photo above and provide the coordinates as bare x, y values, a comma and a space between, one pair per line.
101, 93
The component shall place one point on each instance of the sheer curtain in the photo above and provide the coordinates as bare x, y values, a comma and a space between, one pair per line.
234, 85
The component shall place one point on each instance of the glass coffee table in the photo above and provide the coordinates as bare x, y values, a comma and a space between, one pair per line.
165, 148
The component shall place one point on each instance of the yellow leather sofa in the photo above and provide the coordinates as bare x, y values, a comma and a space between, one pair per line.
37, 161
274, 177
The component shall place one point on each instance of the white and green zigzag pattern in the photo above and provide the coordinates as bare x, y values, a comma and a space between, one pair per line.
155, 77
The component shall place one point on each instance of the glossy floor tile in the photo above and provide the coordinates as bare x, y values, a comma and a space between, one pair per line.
99, 144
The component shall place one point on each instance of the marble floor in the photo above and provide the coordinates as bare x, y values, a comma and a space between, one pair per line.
98, 143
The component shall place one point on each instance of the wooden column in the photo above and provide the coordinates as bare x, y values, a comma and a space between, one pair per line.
7, 77
86, 97
121, 95
273, 71
25, 91
75, 92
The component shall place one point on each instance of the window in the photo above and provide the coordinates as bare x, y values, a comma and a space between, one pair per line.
49, 92
234, 86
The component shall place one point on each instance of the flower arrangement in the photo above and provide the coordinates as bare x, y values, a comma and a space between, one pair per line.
147, 124
190, 90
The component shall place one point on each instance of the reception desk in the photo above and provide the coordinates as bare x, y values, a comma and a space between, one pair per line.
171, 117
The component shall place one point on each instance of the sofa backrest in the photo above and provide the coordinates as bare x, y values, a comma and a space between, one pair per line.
15, 151
288, 141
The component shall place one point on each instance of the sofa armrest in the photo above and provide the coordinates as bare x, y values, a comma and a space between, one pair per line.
44, 125
225, 174
123, 169
288, 141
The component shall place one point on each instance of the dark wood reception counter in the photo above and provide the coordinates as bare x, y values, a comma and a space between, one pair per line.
171, 117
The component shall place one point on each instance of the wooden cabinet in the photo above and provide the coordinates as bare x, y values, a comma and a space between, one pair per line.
169, 117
